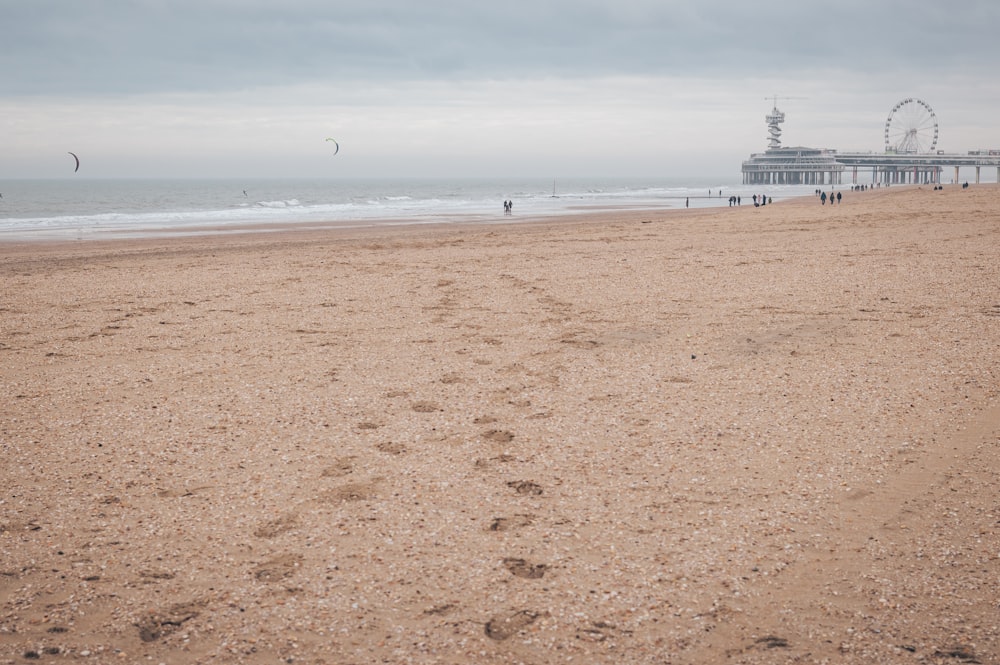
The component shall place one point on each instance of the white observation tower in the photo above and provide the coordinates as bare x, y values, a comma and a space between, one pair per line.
774, 120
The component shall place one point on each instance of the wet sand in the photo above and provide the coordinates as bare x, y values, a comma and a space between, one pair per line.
734, 435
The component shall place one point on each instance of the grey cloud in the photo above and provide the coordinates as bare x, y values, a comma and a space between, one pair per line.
134, 46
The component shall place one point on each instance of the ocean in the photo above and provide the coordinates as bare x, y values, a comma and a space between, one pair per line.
78, 209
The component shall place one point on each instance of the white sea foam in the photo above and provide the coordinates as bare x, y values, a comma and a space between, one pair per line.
279, 204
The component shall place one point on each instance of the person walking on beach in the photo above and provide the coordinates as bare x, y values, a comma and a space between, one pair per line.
838, 197
822, 198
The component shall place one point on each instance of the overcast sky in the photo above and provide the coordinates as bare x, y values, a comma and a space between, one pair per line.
554, 88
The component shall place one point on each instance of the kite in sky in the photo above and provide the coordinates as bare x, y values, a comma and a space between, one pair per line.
77, 162
335, 144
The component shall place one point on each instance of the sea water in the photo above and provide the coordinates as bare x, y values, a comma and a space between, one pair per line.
100, 209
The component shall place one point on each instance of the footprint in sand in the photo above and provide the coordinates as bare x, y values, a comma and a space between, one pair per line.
525, 487
511, 523
349, 492
962, 653
182, 491
598, 631
502, 628
572, 339
426, 407
439, 610
342, 466
522, 568
770, 642
505, 458
154, 576
277, 526
164, 622
498, 436
391, 448
278, 568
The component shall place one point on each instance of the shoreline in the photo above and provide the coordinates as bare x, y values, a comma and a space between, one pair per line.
73, 209
578, 214
184, 221
457, 220
755, 435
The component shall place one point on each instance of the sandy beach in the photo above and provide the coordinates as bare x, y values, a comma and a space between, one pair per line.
737, 435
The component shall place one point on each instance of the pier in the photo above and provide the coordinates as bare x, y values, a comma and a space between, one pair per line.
909, 158
917, 168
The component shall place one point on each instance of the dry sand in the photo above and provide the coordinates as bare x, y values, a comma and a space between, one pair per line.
709, 436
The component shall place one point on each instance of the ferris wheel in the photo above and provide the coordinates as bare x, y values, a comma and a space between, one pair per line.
911, 127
